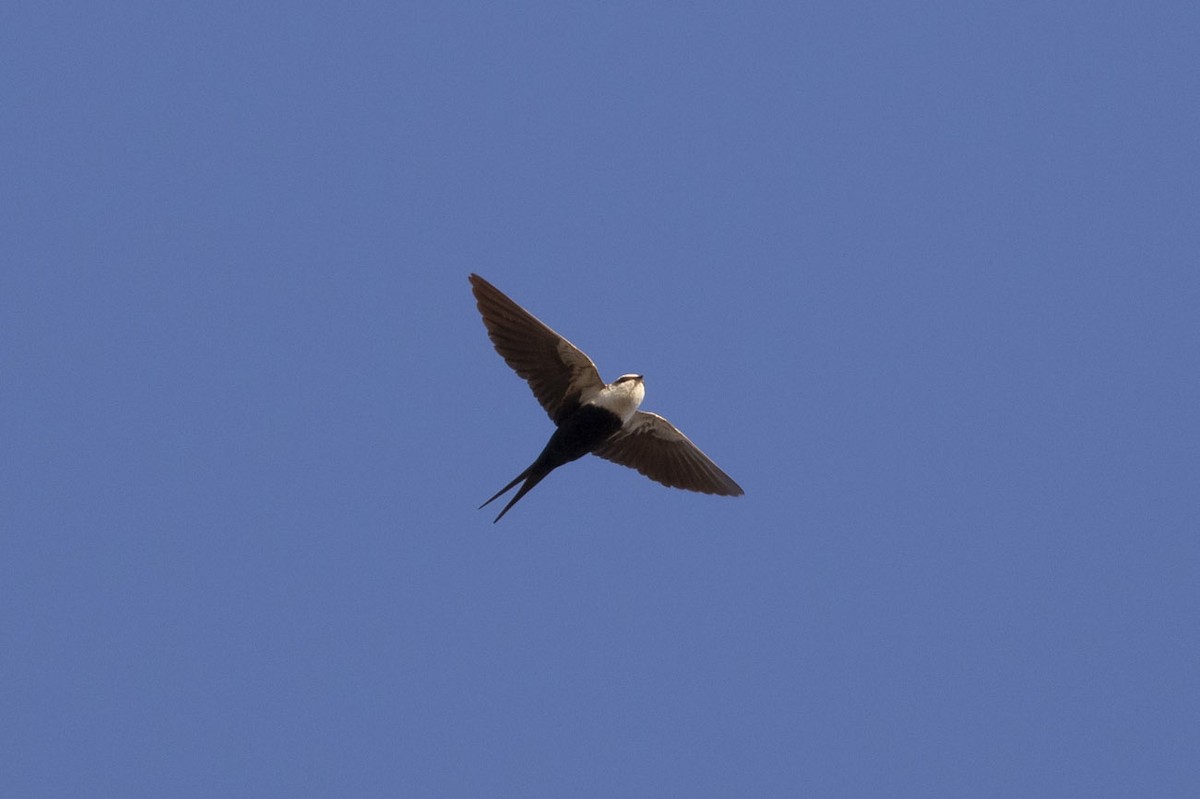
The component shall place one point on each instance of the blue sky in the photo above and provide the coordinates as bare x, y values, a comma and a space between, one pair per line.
921, 277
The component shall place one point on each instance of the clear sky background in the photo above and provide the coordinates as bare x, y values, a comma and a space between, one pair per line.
923, 278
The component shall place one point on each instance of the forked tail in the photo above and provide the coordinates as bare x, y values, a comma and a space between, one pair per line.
531, 479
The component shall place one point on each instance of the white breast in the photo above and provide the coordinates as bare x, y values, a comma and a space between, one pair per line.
622, 399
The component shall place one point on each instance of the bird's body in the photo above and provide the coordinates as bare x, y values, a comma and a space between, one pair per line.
591, 416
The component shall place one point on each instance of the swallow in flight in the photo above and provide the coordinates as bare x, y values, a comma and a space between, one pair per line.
590, 415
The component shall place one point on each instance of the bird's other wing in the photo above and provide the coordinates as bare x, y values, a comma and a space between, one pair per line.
653, 446
557, 371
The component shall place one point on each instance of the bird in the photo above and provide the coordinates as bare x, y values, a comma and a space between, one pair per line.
590, 416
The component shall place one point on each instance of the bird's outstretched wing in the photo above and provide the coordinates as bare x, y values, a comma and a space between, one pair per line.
559, 374
653, 446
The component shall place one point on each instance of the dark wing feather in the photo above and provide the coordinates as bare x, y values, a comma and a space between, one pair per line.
556, 370
653, 446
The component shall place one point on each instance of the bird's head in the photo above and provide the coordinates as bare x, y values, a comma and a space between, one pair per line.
631, 388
